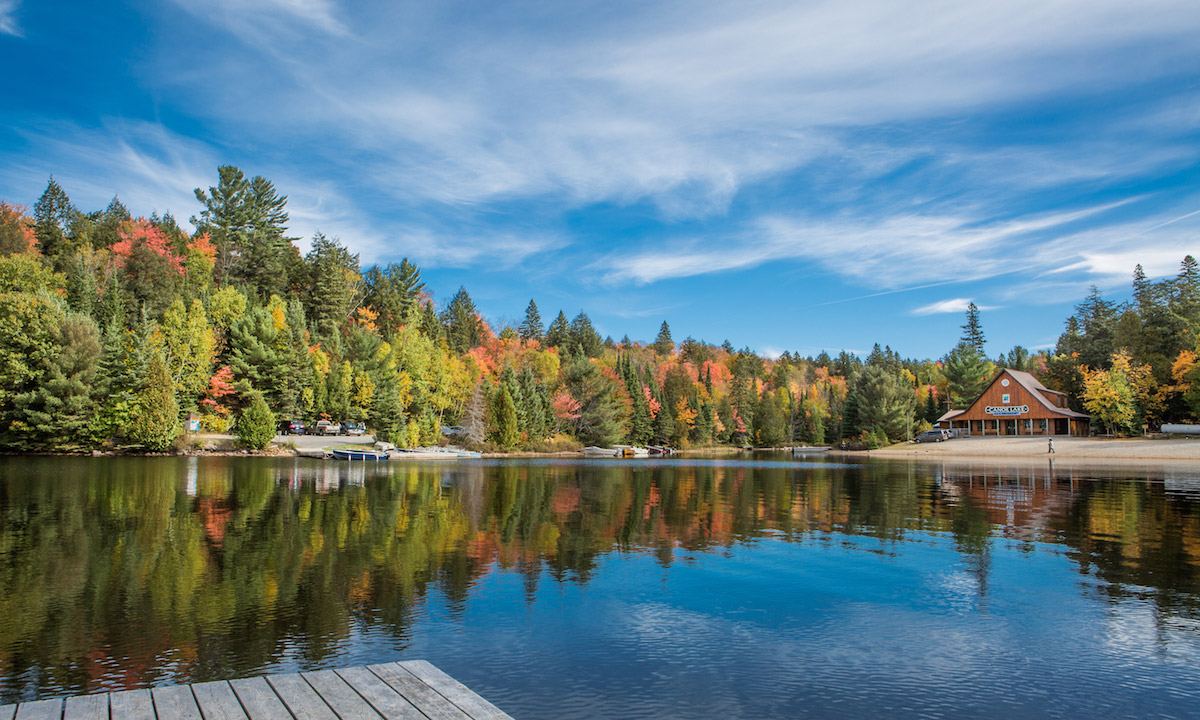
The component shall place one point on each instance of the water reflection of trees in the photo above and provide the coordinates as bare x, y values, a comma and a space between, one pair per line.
223, 567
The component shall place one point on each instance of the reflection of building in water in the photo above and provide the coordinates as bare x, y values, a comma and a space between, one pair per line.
1021, 501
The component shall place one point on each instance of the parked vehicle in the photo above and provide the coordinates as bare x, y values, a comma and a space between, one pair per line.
291, 427
931, 436
325, 427
353, 428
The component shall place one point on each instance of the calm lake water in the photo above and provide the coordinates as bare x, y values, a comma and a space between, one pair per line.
607, 589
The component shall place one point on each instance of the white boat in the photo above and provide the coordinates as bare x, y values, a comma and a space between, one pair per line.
631, 451
804, 450
593, 451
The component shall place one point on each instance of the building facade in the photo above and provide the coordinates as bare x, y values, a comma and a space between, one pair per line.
1015, 403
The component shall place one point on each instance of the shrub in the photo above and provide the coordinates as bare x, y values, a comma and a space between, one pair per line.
256, 425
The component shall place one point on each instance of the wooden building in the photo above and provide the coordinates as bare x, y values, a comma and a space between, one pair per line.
1015, 403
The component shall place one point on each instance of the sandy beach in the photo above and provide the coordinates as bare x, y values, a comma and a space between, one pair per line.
1072, 448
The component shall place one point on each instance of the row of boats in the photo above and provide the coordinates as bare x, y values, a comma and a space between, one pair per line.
627, 451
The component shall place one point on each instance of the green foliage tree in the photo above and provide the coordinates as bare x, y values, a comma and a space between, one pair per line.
885, 402
967, 372
394, 293
256, 424
584, 336
600, 420
335, 286
154, 423
504, 420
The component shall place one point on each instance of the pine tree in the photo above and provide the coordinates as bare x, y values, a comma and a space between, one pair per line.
531, 326
393, 292
663, 345
246, 219
335, 287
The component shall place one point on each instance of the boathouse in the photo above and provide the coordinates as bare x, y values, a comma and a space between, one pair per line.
1015, 403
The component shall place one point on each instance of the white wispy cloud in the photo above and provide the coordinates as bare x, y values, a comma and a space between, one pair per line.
8, 17
681, 105
893, 252
950, 305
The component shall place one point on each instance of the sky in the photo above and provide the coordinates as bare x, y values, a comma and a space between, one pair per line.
784, 175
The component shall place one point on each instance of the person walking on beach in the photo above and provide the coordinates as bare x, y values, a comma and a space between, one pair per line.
1051, 448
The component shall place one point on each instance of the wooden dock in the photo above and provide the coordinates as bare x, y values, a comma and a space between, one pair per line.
410, 690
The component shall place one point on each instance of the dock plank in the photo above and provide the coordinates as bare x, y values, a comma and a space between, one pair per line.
429, 701
40, 710
381, 696
131, 705
454, 691
176, 702
87, 707
259, 699
340, 696
302, 701
217, 701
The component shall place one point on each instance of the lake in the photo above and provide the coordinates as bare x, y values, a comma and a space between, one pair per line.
675, 588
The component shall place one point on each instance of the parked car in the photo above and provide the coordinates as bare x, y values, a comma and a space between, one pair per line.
325, 427
931, 436
291, 427
354, 428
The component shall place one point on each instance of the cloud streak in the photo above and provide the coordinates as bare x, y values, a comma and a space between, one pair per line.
8, 17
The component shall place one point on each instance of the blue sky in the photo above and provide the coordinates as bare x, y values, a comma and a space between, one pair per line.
784, 175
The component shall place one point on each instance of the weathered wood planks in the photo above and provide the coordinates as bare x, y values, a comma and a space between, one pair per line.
412, 690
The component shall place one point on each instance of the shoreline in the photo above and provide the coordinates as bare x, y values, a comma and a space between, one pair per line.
1091, 449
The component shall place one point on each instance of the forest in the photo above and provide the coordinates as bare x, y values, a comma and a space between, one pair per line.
114, 329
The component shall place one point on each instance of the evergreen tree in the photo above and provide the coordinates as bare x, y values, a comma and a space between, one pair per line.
393, 292
600, 420
246, 220
504, 420
53, 215
584, 336
531, 326
968, 373
335, 287
663, 345
154, 423
559, 333
884, 401
387, 416
973, 329
461, 321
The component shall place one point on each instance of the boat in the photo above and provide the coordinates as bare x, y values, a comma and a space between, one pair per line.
804, 450
363, 453
593, 451
660, 450
631, 451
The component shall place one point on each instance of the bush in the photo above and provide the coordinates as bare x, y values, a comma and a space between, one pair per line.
256, 425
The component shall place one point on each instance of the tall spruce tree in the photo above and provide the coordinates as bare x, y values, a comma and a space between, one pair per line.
973, 329
461, 321
531, 326
663, 344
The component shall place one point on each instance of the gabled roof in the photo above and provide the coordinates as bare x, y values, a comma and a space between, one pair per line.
950, 415
1035, 388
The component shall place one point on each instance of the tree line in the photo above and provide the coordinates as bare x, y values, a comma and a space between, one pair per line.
113, 329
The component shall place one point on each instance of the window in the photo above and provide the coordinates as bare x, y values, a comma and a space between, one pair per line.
1004, 398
